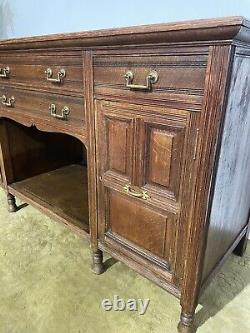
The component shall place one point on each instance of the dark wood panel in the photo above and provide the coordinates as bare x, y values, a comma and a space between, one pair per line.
163, 157
33, 152
160, 156
231, 198
5, 156
115, 138
162, 139
195, 229
118, 154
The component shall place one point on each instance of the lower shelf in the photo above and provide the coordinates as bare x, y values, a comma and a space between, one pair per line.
61, 194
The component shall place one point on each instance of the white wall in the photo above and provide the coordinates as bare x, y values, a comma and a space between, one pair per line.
35, 17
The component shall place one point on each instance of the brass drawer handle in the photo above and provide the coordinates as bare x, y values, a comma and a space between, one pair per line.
142, 194
150, 79
8, 101
60, 75
64, 112
4, 72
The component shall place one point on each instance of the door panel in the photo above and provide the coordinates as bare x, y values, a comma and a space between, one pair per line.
141, 154
119, 150
137, 223
163, 146
115, 135
160, 155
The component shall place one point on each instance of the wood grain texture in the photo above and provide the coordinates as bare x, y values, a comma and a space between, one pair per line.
28, 70
163, 156
182, 76
37, 103
219, 63
34, 152
116, 211
119, 150
5, 156
65, 190
91, 149
150, 156
160, 156
231, 198
137, 223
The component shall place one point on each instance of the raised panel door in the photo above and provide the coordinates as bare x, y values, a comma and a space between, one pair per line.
141, 154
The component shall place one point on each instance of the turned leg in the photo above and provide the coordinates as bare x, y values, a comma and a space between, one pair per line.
186, 324
242, 246
98, 266
12, 207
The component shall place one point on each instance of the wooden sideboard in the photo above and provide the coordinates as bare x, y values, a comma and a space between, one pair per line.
137, 139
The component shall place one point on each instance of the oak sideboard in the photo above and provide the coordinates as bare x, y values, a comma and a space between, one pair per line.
137, 139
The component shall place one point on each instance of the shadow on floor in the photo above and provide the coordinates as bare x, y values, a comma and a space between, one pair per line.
109, 263
231, 280
23, 205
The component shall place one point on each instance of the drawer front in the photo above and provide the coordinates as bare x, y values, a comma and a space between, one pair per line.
61, 110
54, 72
151, 77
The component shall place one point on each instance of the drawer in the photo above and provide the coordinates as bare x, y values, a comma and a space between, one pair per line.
65, 111
54, 72
151, 77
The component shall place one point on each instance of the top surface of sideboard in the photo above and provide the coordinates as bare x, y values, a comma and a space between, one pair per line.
206, 30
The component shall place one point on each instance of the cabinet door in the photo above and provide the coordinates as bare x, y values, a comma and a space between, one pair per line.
142, 155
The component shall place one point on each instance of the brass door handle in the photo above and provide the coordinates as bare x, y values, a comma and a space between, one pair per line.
8, 101
60, 75
4, 72
141, 194
151, 78
64, 112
